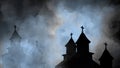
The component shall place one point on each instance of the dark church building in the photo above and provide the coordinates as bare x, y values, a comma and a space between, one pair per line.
78, 55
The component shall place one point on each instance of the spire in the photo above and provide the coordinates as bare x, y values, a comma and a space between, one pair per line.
15, 34
70, 48
82, 37
106, 54
71, 41
106, 58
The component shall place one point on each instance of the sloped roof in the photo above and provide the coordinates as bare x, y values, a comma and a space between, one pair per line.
15, 34
106, 55
70, 42
83, 37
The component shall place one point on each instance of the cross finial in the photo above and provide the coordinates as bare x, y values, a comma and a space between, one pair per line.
82, 28
71, 34
15, 27
105, 45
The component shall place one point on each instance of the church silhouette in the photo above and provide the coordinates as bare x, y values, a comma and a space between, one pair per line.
78, 55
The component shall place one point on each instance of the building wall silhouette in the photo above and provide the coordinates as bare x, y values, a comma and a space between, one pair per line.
78, 55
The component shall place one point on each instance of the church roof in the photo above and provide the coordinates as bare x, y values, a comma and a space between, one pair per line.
106, 54
83, 37
15, 34
70, 42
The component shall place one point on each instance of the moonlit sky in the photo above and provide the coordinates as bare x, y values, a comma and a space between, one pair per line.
72, 22
45, 28
90, 17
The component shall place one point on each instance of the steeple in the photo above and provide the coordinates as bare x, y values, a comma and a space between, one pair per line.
15, 35
106, 54
70, 48
106, 58
70, 41
82, 43
82, 37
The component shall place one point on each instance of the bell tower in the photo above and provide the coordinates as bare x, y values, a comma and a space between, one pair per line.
70, 48
83, 44
106, 59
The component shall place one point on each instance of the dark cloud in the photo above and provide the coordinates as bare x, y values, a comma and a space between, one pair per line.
74, 5
16, 11
115, 2
35, 19
111, 31
4, 28
114, 26
38, 21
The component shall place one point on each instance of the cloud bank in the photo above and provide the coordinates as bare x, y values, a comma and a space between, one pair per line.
39, 23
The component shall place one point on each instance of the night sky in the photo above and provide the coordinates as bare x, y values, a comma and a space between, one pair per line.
45, 27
